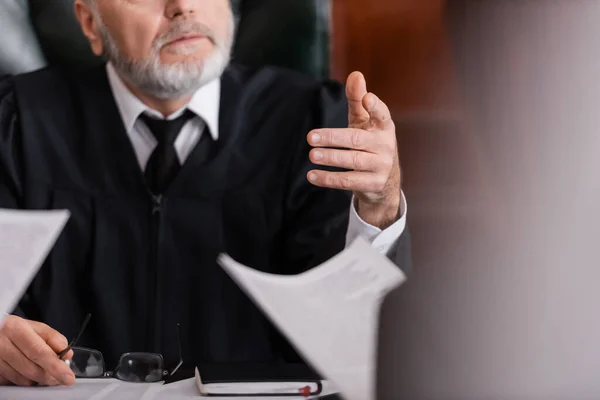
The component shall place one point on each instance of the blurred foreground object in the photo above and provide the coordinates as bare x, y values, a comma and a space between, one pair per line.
507, 308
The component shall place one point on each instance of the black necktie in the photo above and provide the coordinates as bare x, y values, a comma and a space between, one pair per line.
164, 164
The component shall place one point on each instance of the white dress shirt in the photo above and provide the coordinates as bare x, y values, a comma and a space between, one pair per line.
205, 105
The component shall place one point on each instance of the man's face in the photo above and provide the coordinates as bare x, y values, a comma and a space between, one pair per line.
167, 48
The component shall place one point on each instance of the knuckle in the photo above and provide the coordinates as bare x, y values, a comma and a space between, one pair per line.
338, 157
11, 325
358, 161
329, 156
43, 326
346, 183
362, 162
330, 180
357, 138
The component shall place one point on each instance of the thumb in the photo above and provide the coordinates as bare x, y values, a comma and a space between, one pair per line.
356, 90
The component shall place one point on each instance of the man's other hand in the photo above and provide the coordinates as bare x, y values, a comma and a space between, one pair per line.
28, 354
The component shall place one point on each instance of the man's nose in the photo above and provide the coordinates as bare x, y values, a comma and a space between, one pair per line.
178, 8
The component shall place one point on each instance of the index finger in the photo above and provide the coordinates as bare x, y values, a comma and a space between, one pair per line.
343, 138
55, 340
31, 343
377, 109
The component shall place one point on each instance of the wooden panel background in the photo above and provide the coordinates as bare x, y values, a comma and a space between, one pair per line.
402, 47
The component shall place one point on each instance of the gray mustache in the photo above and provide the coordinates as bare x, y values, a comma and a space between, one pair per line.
184, 28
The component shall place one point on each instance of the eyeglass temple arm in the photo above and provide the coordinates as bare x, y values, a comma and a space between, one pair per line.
180, 353
62, 353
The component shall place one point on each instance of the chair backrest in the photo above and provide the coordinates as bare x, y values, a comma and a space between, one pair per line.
19, 49
59, 34
287, 33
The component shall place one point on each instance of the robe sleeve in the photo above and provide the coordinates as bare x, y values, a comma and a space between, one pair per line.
11, 190
317, 218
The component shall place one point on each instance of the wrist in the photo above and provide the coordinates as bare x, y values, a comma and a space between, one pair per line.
380, 214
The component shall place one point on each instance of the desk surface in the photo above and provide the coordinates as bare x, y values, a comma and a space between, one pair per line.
101, 389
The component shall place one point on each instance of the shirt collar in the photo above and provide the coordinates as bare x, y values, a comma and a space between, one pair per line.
204, 103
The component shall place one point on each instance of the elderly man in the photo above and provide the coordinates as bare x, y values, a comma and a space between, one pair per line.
167, 156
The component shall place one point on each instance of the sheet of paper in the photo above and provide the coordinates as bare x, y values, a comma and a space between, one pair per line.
26, 238
329, 313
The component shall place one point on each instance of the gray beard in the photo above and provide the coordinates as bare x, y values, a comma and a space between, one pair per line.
169, 81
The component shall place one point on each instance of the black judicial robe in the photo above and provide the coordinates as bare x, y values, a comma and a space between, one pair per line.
140, 267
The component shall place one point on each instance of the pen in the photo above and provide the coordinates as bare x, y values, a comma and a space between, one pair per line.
62, 353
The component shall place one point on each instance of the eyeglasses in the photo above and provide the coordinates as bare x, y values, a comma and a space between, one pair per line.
149, 367
132, 367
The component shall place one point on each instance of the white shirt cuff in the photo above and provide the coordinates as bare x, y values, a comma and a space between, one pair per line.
382, 240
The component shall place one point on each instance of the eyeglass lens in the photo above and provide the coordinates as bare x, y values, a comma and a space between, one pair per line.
140, 367
87, 363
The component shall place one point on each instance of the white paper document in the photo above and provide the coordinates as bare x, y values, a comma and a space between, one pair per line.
329, 313
26, 238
